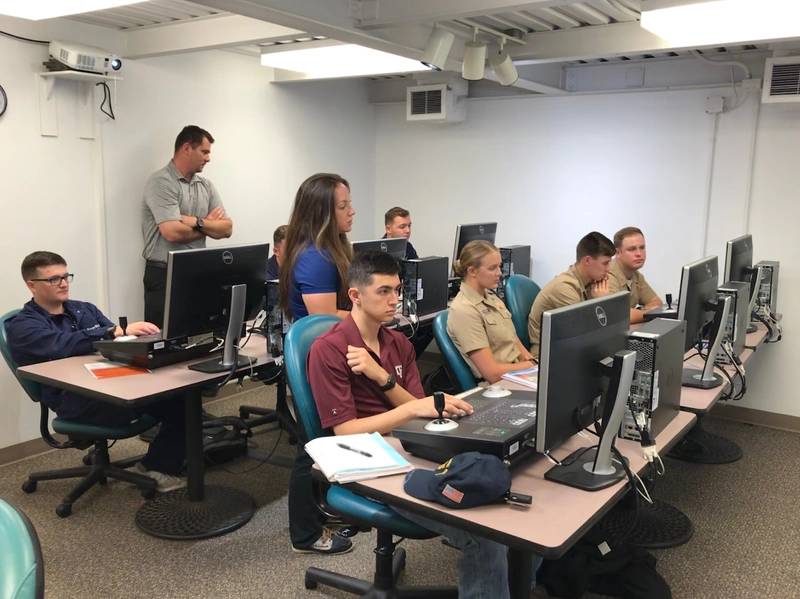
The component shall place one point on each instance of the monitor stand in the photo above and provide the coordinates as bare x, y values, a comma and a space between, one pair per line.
705, 378
230, 359
594, 469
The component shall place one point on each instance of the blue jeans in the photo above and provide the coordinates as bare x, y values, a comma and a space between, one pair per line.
483, 564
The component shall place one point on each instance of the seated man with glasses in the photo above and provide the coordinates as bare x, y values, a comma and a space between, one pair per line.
52, 326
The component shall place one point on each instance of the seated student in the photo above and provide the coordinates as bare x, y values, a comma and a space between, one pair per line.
275, 261
398, 224
52, 326
625, 272
586, 279
479, 323
364, 379
313, 280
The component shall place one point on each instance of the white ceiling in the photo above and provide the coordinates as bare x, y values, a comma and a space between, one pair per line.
148, 14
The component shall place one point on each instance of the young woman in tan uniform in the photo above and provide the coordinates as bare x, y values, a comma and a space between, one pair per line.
479, 323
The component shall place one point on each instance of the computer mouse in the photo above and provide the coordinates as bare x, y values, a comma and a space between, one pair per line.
496, 391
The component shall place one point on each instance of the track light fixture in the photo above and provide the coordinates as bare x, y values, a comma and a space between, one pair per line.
504, 69
437, 49
472, 68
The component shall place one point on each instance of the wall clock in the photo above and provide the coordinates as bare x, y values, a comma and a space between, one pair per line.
3, 100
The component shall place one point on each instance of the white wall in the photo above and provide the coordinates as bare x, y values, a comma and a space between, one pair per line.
46, 192
551, 169
269, 138
82, 198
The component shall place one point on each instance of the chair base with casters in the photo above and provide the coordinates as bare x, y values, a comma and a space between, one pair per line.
389, 559
101, 467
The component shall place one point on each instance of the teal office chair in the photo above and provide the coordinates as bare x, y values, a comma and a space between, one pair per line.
389, 560
22, 565
98, 467
520, 294
459, 371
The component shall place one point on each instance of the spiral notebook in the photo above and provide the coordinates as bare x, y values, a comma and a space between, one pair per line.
347, 458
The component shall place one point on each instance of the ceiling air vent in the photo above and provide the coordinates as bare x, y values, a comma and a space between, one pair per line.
436, 103
781, 80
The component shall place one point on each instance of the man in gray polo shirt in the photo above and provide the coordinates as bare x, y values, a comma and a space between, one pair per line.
179, 210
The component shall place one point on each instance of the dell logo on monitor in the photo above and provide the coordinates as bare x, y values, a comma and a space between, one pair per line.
227, 257
480, 229
601, 316
384, 248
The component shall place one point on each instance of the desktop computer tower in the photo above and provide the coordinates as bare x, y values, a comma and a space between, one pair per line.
275, 325
768, 292
425, 284
516, 260
656, 388
738, 319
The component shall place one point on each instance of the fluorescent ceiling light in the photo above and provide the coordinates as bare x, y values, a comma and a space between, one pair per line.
344, 60
36, 10
709, 22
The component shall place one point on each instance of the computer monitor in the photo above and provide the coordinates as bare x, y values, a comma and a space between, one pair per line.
472, 232
585, 369
699, 304
395, 246
206, 295
739, 267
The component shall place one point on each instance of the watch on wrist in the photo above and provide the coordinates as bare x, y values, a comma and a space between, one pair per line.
200, 224
390, 383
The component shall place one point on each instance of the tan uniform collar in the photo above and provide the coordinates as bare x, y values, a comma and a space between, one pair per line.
576, 273
472, 296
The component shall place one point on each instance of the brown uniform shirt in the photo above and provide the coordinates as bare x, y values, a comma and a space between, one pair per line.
475, 322
641, 293
566, 289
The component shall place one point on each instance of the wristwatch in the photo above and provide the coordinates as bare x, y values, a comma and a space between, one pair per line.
200, 224
390, 383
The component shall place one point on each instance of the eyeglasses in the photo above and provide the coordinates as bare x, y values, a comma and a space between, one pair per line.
56, 280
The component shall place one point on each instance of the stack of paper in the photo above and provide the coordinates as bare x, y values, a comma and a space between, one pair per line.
528, 377
347, 458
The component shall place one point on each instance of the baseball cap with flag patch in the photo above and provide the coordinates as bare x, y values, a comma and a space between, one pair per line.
466, 480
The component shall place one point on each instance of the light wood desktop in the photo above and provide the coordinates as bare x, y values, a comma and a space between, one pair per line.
199, 511
700, 401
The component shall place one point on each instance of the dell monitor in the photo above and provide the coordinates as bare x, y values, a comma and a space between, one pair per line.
699, 305
585, 369
395, 246
472, 232
739, 267
211, 292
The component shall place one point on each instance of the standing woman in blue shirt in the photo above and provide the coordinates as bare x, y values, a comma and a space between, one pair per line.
317, 252
313, 280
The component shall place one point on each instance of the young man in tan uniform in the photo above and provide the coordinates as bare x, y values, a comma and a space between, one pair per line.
586, 279
625, 275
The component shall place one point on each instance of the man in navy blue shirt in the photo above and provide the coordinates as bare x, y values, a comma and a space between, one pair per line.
398, 224
52, 326
275, 261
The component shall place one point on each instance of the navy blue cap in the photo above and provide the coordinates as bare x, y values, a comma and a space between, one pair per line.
466, 480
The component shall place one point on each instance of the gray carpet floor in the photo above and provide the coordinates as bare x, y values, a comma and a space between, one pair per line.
746, 543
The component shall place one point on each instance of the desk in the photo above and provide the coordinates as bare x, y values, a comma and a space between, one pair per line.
700, 401
559, 516
198, 511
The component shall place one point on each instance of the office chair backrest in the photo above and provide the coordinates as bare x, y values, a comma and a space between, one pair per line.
33, 389
456, 364
295, 348
520, 294
22, 565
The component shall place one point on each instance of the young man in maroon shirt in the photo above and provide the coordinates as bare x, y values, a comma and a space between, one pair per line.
364, 379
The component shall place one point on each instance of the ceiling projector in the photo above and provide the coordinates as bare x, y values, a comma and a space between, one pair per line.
84, 58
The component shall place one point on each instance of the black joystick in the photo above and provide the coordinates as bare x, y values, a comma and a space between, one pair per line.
123, 324
438, 405
441, 424
669, 301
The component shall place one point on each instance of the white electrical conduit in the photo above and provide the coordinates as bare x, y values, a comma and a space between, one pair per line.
724, 63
